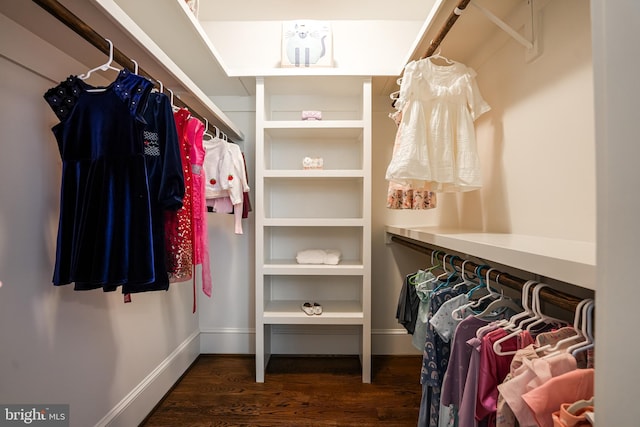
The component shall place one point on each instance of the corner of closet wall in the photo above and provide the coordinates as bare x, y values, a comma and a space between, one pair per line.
226, 319
537, 143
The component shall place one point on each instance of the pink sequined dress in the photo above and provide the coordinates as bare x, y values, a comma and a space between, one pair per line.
178, 224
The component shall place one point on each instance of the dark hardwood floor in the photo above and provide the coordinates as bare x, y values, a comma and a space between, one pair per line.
298, 391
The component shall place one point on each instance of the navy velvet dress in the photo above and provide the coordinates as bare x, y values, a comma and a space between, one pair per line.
166, 181
104, 231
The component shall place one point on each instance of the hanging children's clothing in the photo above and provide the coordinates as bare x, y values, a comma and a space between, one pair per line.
436, 136
408, 194
104, 231
166, 181
226, 179
179, 224
195, 131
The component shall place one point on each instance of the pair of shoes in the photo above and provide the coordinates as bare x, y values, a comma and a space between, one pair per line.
311, 309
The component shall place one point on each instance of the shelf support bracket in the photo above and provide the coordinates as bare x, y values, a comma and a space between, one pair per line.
531, 28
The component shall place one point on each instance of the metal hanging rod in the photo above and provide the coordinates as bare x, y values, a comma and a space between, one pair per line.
530, 45
444, 30
557, 298
64, 15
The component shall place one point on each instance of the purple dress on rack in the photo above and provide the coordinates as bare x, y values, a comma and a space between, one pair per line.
104, 230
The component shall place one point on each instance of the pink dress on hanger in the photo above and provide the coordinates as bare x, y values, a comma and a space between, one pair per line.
178, 224
195, 130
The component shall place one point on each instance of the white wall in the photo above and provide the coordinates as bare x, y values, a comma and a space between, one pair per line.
537, 143
110, 361
227, 319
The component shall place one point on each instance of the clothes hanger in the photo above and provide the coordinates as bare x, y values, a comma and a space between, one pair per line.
434, 255
542, 318
587, 331
174, 107
497, 346
577, 321
206, 131
135, 66
446, 273
465, 281
160, 87
500, 303
457, 314
483, 283
104, 67
505, 323
437, 55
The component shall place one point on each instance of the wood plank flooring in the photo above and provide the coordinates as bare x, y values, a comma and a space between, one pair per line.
298, 391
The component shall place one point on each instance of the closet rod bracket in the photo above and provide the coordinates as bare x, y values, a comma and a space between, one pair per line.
531, 28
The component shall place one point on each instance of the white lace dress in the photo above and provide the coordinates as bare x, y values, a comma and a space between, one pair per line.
436, 141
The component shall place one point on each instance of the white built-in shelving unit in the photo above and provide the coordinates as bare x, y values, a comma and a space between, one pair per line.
299, 209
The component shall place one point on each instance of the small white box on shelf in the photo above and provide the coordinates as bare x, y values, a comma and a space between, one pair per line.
311, 115
310, 163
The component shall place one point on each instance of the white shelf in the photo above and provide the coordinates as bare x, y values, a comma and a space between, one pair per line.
335, 312
568, 261
325, 173
313, 222
289, 125
290, 267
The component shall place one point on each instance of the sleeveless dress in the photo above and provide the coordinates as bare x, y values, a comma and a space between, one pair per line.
104, 230
179, 224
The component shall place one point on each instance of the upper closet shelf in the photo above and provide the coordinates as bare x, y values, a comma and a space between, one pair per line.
128, 25
564, 260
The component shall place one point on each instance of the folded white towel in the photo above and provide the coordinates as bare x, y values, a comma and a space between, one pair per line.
318, 256
332, 256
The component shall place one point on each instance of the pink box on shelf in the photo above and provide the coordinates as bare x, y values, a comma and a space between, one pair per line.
312, 115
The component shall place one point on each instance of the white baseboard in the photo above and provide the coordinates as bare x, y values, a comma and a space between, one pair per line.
306, 340
136, 405
228, 341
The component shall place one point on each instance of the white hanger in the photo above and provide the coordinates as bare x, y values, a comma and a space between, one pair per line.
490, 294
465, 281
161, 90
528, 311
104, 67
578, 318
174, 107
206, 131
135, 66
511, 322
502, 302
497, 346
587, 331
457, 314
437, 55
542, 318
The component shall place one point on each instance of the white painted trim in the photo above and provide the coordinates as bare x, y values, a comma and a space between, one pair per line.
139, 402
227, 341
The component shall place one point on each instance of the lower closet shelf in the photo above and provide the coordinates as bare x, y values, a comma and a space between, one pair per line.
345, 268
334, 312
